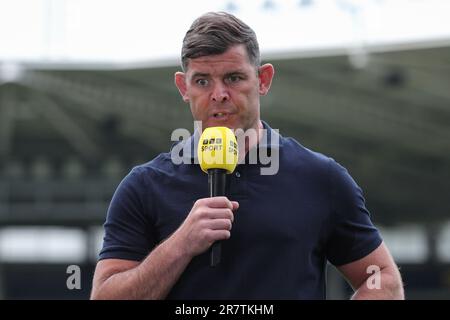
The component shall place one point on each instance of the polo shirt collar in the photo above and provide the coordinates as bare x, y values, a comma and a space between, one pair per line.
271, 140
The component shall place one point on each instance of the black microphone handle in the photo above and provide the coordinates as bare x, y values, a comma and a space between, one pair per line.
216, 183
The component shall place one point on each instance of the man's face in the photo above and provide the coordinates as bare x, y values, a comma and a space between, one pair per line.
224, 89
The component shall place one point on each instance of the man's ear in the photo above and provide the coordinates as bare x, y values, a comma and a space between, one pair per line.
265, 75
180, 82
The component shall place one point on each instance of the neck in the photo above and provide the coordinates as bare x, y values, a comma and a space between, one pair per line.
249, 139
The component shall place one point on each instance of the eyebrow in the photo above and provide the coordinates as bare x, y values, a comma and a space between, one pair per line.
237, 72
202, 74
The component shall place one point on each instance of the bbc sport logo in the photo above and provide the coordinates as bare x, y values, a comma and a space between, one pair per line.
270, 161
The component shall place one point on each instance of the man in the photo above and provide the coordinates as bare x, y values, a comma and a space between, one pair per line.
278, 231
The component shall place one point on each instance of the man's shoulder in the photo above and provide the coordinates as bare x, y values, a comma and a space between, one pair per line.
293, 150
301, 157
161, 163
140, 173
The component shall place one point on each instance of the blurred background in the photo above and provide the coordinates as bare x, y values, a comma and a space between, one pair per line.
86, 93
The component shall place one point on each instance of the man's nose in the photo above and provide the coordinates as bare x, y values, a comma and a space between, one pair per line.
220, 93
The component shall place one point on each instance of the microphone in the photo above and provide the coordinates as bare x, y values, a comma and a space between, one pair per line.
218, 155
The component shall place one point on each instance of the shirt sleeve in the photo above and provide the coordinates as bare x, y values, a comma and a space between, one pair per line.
352, 234
128, 231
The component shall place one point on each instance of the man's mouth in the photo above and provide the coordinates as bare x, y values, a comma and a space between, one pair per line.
220, 115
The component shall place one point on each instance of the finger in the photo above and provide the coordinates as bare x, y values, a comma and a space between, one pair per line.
217, 213
219, 202
215, 235
235, 205
219, 224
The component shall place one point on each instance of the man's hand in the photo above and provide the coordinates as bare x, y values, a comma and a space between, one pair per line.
209, 220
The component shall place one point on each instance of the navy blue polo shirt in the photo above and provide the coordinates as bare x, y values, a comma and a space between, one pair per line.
287, 227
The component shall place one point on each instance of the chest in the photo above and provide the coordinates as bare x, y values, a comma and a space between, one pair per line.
277, 211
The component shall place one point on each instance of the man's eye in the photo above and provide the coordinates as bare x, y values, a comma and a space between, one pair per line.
202, 82
234, 78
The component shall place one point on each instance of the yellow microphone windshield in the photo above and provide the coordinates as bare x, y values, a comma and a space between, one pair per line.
218, 149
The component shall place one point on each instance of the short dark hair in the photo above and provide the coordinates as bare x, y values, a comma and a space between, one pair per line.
214, 33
